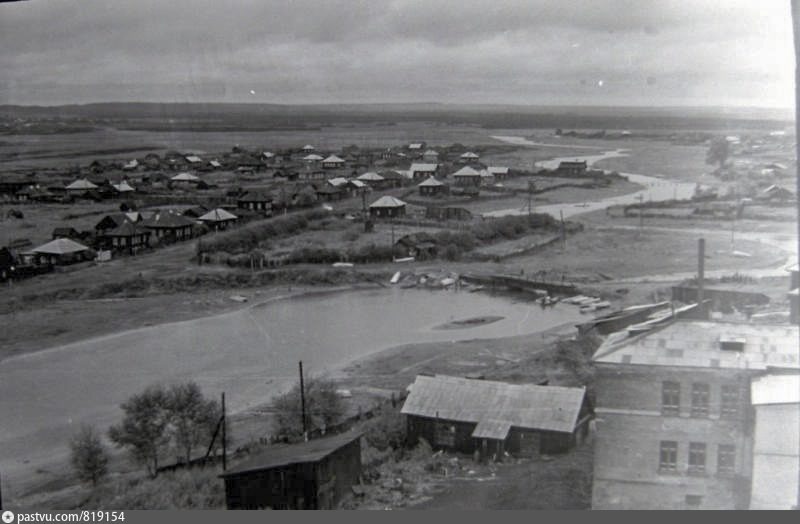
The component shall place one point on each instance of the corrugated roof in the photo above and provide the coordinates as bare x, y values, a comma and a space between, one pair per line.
694, 343
549, 408
388, 201
466, 171
775, 389
60, 246
284, 455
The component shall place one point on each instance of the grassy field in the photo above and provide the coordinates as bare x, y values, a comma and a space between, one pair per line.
41, 219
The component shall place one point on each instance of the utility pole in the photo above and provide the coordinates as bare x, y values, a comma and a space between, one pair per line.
530, 195
796, 31
303, 402
641, 213
224, 436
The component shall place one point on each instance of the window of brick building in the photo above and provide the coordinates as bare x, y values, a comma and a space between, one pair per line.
729, 401
700, 395
697, 457
668, 456
670, 398
726, 459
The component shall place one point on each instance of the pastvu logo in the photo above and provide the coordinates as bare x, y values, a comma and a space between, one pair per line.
8, 517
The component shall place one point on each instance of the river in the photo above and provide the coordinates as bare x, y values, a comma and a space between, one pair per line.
655, 189
250, 353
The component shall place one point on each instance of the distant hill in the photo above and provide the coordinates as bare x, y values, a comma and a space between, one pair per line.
217, 116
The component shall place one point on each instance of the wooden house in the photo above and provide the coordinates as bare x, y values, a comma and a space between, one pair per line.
423, 171
373, 180
255, 201
328, 193
493, 418
218, 219
115, 220
332, 162
430, 156
312, 475
468, 158
572, 168
169, 226
420, 245
80, 187
467, 177
387, 207
65, 232
498, 172
432, 187
128, 237
60, 251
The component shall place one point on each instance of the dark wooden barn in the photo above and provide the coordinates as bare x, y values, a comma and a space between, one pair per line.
311, 475
468, 415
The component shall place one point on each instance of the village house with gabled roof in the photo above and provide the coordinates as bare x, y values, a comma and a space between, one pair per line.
127, 237
432, 187
467, 177
256, 201
675, 414
332, 162
387, 207
218, 219
492, 417
423, 171
169, 226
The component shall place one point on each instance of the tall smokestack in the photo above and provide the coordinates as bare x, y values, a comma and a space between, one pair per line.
701, 265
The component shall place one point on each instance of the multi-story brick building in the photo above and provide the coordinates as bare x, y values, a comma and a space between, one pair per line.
675, 421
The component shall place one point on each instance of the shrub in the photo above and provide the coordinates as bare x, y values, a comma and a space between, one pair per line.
386, 430
323, 408
88, 455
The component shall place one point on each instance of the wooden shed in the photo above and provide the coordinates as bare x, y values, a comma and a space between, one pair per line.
311, 475
491, 417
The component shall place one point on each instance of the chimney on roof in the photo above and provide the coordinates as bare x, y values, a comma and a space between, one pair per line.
701, 264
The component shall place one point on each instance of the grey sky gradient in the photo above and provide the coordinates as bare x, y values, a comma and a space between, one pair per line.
586, 52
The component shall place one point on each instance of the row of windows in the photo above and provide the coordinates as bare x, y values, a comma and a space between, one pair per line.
668, 457
700, 399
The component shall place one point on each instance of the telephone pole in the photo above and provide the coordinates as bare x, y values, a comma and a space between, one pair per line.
224, 436
303, 402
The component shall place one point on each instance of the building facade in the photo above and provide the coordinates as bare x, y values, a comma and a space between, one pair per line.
675, 424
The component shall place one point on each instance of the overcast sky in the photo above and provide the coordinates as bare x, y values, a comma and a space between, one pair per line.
585, 52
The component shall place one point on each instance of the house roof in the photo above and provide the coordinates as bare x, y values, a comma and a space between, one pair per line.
255, 196
466, 171
370, 177
218, 215
495, 406
775, 389
60, 246
193, 159
430, 182
334, 158
123, 187
185, 177
167, 220
358, 183
312, 157
82, 184
431, 152
415, 145
497, 170
694, 343
338, 181
423, 168
388, 201
268, 154
308, 147
127, 229
284, 455
215, 163
469, 154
